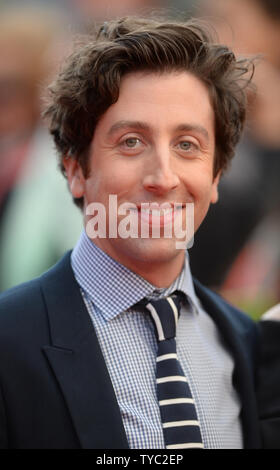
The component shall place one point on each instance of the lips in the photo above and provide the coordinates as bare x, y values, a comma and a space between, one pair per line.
159, 215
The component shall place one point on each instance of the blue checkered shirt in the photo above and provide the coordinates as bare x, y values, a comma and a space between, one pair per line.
128, 343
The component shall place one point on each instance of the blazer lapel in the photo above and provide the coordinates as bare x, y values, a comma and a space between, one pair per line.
76, 360
241, 341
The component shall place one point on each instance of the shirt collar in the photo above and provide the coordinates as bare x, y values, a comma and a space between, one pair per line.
112, 287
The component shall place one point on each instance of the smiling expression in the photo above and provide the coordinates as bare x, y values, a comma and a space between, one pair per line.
156, 144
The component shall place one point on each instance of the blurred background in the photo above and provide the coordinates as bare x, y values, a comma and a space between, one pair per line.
237, 249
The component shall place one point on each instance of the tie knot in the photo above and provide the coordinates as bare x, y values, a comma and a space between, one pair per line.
165, 313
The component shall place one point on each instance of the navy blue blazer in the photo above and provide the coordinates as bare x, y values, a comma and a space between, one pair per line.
55, 390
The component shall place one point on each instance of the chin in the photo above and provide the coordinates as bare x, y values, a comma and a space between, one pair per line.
152, 250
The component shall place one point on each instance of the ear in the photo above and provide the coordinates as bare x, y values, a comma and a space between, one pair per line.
215, 184
75, 176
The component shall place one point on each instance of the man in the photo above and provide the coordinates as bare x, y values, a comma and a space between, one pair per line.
148, 113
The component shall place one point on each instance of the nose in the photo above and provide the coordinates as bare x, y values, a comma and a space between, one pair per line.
160, 177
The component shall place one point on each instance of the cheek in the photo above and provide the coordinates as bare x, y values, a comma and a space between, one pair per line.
92, 188
200, 188
201, 207
110, 179
199, 185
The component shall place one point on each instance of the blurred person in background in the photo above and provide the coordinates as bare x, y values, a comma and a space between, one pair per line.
244, 226
106, 9
269, 378
33, 231
84, 11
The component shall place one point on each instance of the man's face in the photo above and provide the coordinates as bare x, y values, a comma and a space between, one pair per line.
154, 145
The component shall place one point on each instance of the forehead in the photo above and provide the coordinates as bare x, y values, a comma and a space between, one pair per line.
161, 100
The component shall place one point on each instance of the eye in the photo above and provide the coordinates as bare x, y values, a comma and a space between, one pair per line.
131, 145
131, 142
187, 145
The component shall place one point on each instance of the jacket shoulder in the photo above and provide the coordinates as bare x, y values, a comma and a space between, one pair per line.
23, 319
28, 296
21, 298
22, 307
214, 303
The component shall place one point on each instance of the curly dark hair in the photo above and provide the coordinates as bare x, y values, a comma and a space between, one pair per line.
272, 8
89, 82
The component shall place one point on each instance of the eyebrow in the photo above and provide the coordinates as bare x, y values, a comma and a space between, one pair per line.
193, 128
144, 126
127, 124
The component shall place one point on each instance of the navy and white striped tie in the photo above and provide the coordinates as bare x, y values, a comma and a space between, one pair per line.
180, 424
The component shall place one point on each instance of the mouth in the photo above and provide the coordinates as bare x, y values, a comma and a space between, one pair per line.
159, 215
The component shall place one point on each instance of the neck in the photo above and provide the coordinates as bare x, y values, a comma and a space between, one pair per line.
158, 275
159, 272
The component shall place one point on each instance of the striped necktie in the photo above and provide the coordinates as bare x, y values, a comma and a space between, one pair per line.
180, 424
